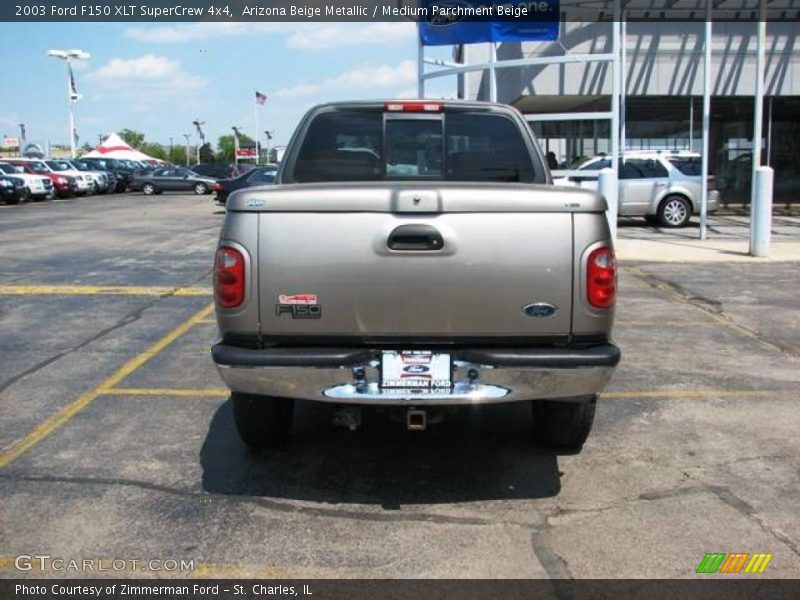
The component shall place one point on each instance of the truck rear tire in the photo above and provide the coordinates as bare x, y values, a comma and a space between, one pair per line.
262, 421
563, 424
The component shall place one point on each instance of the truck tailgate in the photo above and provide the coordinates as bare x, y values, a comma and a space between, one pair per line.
476, 281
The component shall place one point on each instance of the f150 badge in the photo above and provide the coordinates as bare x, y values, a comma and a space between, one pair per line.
300, 306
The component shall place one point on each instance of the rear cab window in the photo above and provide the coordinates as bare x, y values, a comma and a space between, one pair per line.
454, 145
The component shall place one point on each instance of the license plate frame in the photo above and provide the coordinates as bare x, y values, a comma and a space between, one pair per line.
416, 370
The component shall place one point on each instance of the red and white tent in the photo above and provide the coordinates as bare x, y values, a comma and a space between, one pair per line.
115, 147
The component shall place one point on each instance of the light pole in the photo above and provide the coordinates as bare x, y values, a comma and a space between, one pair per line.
235, 145
21, 138
198, 125
269, 139
72, 94
187, 136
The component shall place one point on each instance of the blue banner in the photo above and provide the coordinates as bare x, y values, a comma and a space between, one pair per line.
450, 22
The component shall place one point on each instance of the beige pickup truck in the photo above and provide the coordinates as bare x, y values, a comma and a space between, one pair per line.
415, 255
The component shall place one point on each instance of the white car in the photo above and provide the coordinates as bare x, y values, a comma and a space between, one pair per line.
99, 178
38, 187
663, 187
84, 180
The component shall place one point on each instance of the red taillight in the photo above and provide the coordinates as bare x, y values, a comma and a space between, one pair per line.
217, 186
229, 278
601, 278
413, 107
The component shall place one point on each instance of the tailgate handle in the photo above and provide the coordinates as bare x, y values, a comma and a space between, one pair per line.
415, 237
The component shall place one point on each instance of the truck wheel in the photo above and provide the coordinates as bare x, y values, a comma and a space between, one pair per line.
563, 424
262, 421
674, 211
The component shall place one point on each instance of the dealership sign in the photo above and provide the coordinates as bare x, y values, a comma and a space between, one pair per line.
246, 152
452, 22
10, 142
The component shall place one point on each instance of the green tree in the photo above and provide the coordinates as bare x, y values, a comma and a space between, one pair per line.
226, 144
177, 156
154, 150
133, 138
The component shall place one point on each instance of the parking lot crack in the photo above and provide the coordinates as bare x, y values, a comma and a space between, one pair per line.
736, 461
127, 319
724, 494
554, 564
728, 497
709, 306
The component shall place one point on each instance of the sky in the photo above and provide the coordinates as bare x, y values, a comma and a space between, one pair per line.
158, 78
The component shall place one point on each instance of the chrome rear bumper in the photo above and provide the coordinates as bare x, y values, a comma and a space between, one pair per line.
351, 376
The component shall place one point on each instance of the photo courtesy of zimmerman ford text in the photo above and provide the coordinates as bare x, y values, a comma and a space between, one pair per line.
409, 299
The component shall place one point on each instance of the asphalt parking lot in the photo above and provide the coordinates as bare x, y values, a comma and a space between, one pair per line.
118, 442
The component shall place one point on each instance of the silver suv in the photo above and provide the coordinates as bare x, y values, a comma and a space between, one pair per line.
663, 187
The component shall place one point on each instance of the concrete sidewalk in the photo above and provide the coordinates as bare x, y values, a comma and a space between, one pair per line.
671, 250
727, 240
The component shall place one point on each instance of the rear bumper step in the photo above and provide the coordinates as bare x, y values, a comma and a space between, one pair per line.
348, 375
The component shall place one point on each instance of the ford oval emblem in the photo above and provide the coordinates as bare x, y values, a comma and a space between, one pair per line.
539, 310
255, 202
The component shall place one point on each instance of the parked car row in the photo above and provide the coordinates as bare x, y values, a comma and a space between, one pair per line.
34, 187
23, 179
173, 179
63, 178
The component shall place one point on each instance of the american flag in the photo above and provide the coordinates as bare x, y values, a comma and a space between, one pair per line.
261, 99
73, 92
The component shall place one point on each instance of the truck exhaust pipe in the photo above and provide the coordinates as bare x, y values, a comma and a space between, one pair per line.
416, 419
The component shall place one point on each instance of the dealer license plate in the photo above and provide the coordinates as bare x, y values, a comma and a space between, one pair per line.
418, 369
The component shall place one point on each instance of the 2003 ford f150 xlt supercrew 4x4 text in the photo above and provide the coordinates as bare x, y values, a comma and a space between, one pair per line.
415, 255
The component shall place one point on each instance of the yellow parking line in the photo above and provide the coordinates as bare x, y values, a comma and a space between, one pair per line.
209, 392
101, 290
694, 393
192, 291
16, 449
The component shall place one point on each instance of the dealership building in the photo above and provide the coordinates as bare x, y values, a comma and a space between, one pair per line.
568, 101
